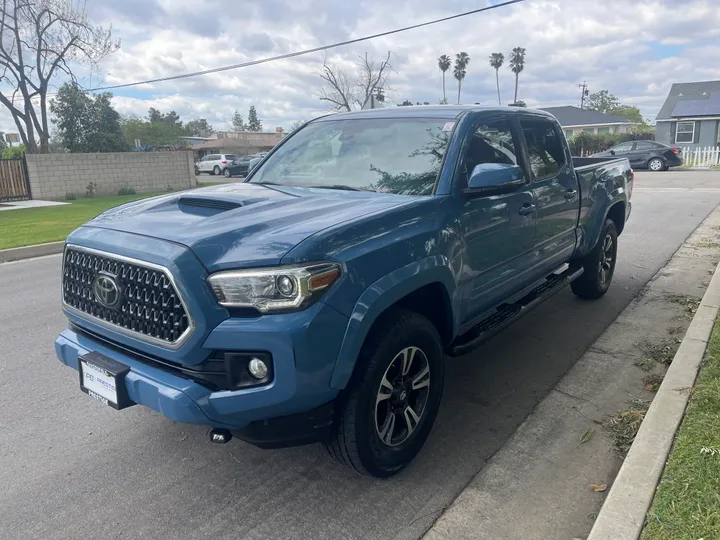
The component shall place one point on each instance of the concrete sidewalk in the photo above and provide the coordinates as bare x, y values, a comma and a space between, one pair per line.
538, 485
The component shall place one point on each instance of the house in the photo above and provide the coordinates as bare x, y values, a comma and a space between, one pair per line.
240, 143
575, 120
689, 117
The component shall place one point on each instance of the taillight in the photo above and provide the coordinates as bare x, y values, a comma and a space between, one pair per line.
675, 151
224, 162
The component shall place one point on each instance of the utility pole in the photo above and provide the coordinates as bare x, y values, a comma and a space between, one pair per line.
585, 92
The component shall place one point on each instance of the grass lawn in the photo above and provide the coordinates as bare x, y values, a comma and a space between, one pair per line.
687, 501
53, 223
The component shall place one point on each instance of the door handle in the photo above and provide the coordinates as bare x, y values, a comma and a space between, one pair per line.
570, 194
526, 209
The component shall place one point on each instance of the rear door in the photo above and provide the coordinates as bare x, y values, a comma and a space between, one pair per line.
555, 188
498, 230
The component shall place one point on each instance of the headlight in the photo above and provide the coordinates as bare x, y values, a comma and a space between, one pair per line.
285, 288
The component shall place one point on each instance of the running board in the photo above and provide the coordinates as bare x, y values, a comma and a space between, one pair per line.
507, 313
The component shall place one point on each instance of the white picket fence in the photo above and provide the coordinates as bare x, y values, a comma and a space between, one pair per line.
701, 157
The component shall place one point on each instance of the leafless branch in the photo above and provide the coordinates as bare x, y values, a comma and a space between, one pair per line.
38, 40
347, 91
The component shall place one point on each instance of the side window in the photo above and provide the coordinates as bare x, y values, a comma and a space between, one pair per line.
624, 147
645, 145
491, 142
545, 147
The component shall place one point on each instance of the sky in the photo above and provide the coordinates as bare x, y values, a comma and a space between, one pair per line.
634, 48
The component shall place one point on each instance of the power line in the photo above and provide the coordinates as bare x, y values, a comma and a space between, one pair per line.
306, 51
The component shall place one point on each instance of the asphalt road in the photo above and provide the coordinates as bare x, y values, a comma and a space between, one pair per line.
73, 468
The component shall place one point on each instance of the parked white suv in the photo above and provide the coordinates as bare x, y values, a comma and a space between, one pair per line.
214, 163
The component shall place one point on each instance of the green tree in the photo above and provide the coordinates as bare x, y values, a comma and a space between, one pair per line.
237, 122
151, 134
406, 103
84, 123
462, 60
444, 64
496, 61
602, 101
297, 124
199, 128
171, 118
517, 64
254, 124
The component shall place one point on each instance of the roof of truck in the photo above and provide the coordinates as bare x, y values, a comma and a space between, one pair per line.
426, 111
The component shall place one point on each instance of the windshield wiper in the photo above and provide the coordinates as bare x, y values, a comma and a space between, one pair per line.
338, 186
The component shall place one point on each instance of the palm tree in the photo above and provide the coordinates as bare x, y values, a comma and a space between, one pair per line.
517, 64
461, 62
444, 64
496, 61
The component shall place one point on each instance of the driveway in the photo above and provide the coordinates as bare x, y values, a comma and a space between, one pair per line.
72, 468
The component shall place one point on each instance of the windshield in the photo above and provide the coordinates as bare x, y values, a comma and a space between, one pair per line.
393, 155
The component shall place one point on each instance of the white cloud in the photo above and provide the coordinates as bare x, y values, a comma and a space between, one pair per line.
636, 50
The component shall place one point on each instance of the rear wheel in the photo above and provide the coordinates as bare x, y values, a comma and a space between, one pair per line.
598, 265
216, 170
656, 164
393, 398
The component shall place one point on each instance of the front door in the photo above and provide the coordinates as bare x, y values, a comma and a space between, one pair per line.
499, 230
556, 191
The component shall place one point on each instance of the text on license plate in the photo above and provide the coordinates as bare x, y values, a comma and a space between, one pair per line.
98, 381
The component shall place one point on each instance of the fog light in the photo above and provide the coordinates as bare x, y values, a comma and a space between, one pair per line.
257, 368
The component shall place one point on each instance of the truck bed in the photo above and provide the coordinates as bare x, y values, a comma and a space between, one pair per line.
582, 163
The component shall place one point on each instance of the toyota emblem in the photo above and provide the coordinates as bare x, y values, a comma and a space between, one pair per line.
106, 290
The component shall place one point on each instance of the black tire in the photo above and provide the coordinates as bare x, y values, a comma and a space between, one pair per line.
216, 171
355, 440
227, 173
599, 265
656, 164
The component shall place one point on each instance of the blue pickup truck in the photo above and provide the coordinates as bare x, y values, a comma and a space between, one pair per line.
318, 299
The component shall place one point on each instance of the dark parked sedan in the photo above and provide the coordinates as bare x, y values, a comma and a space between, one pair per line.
646, 155
238, 167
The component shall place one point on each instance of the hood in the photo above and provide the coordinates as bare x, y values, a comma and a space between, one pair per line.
242, 225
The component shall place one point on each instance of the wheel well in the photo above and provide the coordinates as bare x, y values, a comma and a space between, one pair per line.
617, 215
432, 302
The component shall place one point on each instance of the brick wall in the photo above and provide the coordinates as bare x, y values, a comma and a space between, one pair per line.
52, 176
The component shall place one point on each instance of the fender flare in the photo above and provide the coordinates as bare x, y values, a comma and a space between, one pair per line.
381, 295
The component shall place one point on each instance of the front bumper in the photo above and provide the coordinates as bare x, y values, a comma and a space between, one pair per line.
304, 347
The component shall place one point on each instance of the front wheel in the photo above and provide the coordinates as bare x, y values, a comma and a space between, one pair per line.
598, 265
656, 164
227, 174
393, 398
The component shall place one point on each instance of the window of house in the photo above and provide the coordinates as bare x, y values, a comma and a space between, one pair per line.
545, 148
568, 133
492, 142
603, 130
685, 132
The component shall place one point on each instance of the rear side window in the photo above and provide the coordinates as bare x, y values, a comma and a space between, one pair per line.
229, 156
545, 147
645, 145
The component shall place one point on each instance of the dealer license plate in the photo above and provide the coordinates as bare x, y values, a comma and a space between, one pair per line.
103, 378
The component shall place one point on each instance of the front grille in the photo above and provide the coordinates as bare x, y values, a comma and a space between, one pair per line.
148, 303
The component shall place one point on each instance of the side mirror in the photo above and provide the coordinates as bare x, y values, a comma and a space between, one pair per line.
494, 178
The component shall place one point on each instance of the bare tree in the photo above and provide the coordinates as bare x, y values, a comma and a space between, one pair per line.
349, 91
40, 39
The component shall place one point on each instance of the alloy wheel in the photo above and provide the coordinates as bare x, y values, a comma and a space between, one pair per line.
606, 259
402, 396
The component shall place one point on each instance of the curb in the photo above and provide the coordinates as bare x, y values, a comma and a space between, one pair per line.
622, 516
29, 252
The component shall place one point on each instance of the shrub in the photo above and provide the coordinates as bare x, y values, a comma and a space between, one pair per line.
169, 188
70, 196
13, 152
91, 189
126, 190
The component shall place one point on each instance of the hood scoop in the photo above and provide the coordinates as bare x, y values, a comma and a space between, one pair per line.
223, 205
